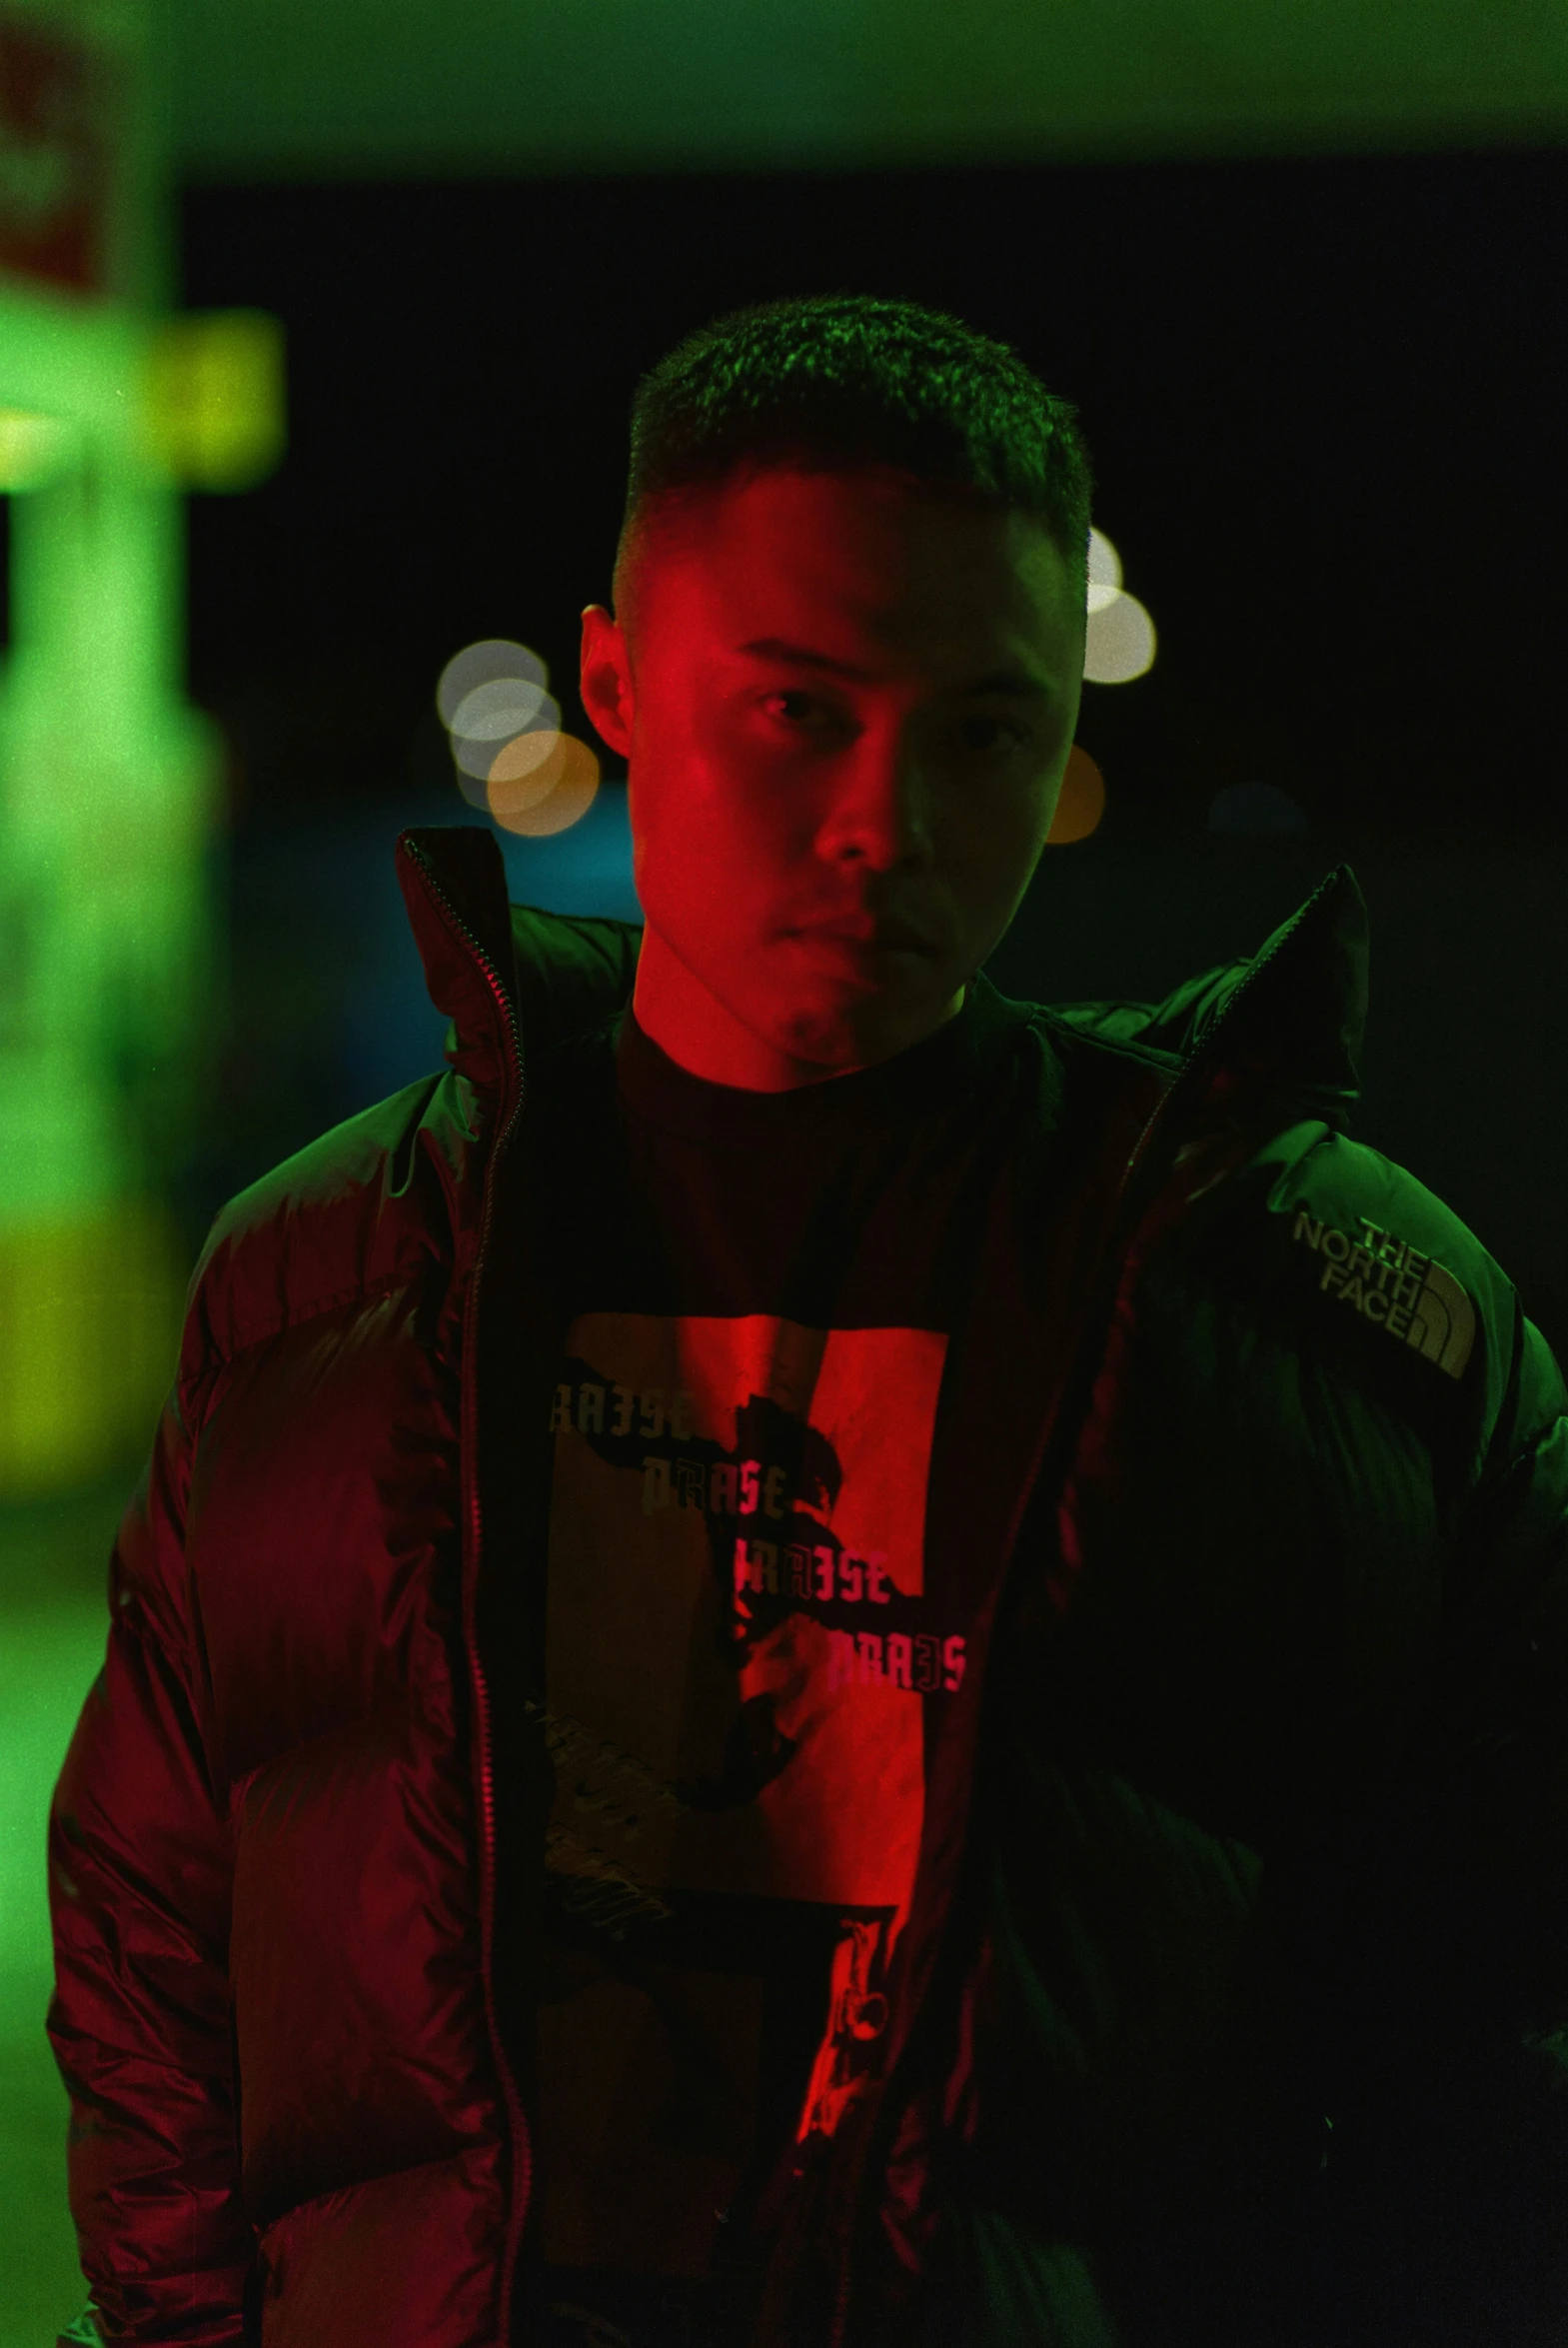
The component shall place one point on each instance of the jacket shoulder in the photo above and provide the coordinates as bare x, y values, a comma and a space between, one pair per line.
325, 1225
1380, 1248
1349, 1186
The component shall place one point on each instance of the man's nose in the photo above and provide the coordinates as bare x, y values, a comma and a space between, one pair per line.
881, 810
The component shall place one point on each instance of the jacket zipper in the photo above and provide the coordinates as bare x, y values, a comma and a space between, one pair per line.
1180, 1081
522, 2144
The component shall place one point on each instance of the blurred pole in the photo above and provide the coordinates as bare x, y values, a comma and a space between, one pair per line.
111, 992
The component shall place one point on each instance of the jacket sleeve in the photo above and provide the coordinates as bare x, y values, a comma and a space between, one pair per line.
140, 1881
1448, 2160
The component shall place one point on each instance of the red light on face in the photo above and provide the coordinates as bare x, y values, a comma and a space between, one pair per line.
874, 964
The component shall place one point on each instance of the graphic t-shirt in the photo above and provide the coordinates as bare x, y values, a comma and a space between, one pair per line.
758, 1292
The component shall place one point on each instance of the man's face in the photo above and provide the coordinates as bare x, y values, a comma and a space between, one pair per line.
853, 701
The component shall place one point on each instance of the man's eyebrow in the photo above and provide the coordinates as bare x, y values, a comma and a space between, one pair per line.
1016, 682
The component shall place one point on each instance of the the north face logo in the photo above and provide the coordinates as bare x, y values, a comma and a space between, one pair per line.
1393, 1284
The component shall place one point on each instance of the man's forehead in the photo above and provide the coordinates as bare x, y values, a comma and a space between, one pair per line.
1016, 677
879, 548
877, 501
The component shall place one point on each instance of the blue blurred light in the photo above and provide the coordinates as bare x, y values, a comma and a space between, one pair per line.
585, 868
1256, 807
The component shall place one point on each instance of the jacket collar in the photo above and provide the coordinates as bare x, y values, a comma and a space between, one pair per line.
1293, 1014
1290, 1015
454, 887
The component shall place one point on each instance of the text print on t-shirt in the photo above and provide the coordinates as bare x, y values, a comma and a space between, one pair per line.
833, 1579
736, 1589
838, 1586
735, 1619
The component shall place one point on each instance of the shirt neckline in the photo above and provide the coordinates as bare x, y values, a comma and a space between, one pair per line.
914, 1084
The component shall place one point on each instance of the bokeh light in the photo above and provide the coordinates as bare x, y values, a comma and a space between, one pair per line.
514, 783
1120, 642
1104, 570
503, 706
475, 789
492, 658
476, 755
522, 807
526, 754
1083, 800
512, 758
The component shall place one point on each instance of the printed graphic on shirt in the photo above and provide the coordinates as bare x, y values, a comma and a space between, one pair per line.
737, 1652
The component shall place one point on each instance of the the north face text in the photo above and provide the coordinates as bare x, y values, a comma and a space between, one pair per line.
1391, 1282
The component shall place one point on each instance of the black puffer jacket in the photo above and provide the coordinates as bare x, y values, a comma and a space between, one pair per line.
1276, 1541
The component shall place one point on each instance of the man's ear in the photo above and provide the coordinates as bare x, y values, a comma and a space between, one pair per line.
606, 678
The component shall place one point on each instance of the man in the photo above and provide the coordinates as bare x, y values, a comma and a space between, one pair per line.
811, 1657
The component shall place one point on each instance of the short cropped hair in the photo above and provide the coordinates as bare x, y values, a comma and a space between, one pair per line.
836, 382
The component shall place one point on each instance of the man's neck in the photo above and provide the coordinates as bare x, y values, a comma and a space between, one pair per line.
695, 1029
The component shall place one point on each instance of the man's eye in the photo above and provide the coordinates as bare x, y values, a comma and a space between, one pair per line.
791, 694
985, 736
1013, 737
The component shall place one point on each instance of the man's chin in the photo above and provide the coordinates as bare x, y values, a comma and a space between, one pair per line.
841, 1037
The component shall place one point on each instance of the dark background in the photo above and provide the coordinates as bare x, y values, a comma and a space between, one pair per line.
1323, 398
1325, 403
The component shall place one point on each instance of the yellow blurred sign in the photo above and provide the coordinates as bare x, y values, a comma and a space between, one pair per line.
213, 398
33, 449
90, 1313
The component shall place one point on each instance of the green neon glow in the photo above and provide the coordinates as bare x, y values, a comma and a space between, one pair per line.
111, 981
291, 89
52, 1632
